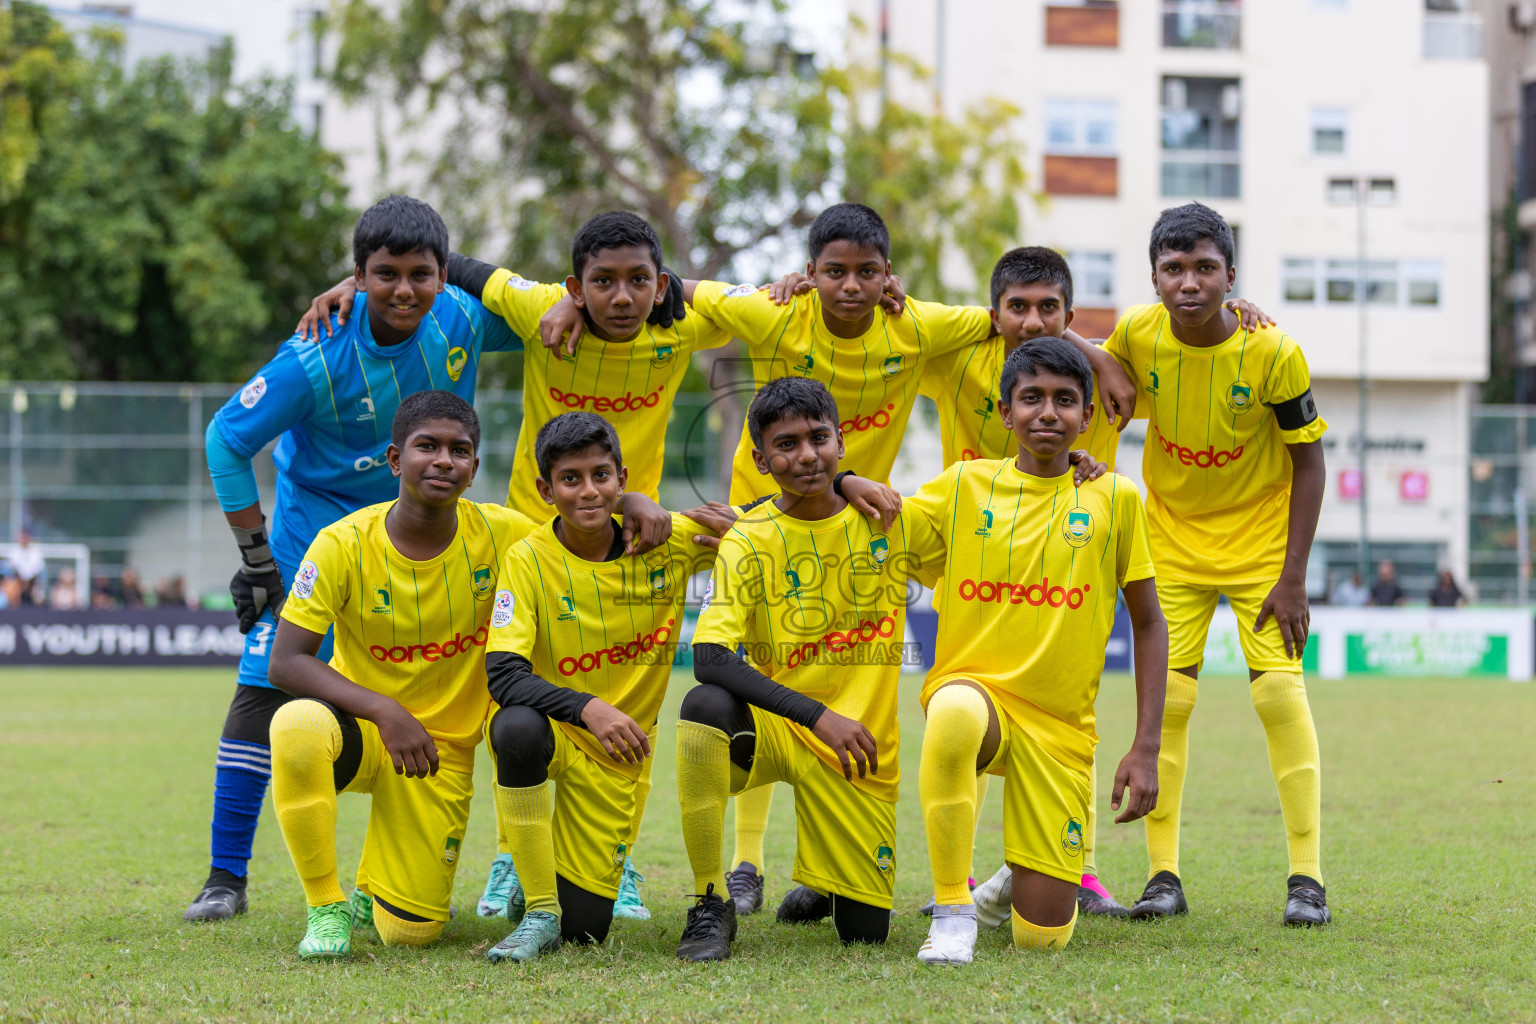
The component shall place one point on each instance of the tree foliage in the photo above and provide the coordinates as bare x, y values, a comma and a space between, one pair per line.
697, 114
157, 225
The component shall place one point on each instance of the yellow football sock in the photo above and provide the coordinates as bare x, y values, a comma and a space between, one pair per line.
1034, 936
703, 787
1172, 763
306, 740
1280, 698
527, 811
397, 931
502, 846
752, 807
946, 786
1090, 827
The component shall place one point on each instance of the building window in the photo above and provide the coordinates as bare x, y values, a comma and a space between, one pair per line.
1527, 141
1093, 278
1203, 24
1082, 23
1329, 126
1081, 127
1201, 121
1399, 284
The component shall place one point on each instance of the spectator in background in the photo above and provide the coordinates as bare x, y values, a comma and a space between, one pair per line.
171, 593
1446, 593
62, 596
27, 560
129, 591
10, 586
102, 596
1385, 593
1351, 593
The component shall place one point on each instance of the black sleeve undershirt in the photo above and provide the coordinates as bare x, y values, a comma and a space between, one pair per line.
715, 664
469, 274
512, 681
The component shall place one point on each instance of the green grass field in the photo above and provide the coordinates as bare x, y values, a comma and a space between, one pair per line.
105, 793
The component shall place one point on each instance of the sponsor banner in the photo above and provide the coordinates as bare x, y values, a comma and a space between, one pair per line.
138, 636
1385, 652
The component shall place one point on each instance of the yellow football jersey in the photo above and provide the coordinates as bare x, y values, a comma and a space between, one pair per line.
414, 631
1217, 472
872, 378
964, 386
629, 384
821, 607
605, 628
1035, 569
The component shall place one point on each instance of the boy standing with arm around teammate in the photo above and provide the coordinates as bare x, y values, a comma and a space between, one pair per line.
1034, 566
407, 587
1234, 474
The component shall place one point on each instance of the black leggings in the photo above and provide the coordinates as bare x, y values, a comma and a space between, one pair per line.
523, 742
718, 708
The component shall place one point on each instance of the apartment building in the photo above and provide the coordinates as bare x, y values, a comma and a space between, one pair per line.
1346, 141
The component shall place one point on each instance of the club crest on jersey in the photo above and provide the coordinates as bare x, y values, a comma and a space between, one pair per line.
657, 578
451, 849
879, 547
501, 613
984, 523
482, 579
252, 392
304, 583
885, 857
457, 358
1077, 527
662, 356
892, 365
1240, 397
381, 602
1072, 837
805, 364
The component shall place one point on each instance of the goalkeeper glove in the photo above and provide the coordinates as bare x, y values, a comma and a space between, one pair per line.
671, 307
258, 584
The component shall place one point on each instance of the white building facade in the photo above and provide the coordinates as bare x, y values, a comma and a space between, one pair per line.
1320, 129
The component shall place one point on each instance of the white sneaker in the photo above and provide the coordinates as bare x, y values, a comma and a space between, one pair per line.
994, 898
951, 936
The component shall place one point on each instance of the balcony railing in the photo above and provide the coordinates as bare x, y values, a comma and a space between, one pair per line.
1202, 24
1196, 174
1453, 35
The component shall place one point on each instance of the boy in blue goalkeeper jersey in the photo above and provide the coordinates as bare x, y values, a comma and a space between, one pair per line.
329, 405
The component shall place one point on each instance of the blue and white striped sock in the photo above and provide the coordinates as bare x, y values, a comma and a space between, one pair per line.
240, 784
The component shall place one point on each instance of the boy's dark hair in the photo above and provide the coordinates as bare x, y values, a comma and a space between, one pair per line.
1180, 229
783, 397
1032, 264
1054, 355
849, 222
433, 405
573, 432
399, 224
612, 230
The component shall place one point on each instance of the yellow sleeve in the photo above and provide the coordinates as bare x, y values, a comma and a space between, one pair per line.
937, 378
1133, 558
726, 615
682, 548
1118, 344
925, 548
942, 328
515, 611
698, 333
1289, 379
743, 311
322, 585
508, 526
934, 500
520, 302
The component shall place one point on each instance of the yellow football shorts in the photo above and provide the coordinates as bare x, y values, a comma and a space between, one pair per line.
415, 830
1045, 802
845, 839
594, 812
1188, 607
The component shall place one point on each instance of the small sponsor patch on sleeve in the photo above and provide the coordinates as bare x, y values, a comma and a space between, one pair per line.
503, 609
709, 595
304, 583
522, 284
737, 291
252, 392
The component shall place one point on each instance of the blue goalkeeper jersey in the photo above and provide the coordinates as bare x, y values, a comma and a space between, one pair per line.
330, 405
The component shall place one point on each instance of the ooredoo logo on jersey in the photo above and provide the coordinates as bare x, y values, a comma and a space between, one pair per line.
1034, 594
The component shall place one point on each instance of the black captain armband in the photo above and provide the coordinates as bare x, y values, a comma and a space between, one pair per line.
469, 274
1295, 413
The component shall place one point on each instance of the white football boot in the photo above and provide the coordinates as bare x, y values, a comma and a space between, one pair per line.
951, 937
994, 899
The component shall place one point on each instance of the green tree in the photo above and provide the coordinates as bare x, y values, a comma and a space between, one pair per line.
697, 114
158, 225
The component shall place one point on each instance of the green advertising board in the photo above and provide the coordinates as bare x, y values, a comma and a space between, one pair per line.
1386, 652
